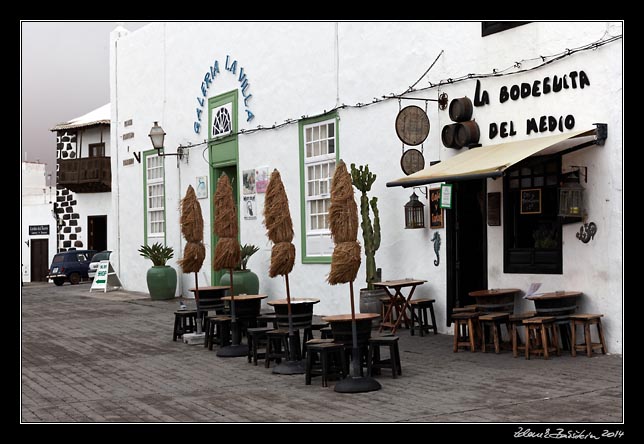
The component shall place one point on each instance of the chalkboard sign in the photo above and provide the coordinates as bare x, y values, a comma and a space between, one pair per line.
494, 209
531, 201
435, 210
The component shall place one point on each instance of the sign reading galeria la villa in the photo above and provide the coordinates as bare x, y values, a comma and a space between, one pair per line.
537, 88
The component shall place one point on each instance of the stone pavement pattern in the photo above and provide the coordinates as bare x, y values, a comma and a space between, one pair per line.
94, 357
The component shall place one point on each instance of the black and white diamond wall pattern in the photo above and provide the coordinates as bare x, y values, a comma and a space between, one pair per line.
68, 232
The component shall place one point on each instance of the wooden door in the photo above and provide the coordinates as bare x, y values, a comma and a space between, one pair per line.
39, 259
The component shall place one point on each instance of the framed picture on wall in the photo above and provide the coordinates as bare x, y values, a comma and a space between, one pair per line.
435, 210
531, 201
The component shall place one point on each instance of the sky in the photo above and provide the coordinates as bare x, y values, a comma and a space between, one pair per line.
64, 74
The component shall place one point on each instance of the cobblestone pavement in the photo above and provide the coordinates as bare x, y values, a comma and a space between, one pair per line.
95, 357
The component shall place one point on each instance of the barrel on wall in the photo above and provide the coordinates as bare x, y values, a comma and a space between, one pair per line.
465, 132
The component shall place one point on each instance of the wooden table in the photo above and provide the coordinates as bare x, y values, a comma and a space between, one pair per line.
247, 306
341, 327
495, 299
398, 301
559, 304
210, 298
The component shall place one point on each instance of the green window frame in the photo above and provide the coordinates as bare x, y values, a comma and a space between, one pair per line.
154, 214
319, 154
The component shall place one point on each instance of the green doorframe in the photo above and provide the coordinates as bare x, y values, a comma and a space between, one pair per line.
223, 156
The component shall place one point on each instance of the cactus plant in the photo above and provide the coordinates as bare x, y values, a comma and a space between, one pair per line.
362, 179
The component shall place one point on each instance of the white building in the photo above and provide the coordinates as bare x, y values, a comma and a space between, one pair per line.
242, 97
84, 179
38, 224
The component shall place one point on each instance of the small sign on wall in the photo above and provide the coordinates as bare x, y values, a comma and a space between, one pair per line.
201, 189
446, 196
250, 207
38, 230
248, 181
435, 210
261, 179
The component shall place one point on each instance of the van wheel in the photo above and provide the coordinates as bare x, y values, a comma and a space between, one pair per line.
59, 281
74, 278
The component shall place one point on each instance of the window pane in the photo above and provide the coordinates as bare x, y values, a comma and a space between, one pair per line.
526, 183
309, 150
321, 222
331, 131
331, 146
514, 173
316, 148
308, 134
316, 133
525, 171
514, 183
538, 181
314, 223
324, 187
323, 147
310, 190
323, 132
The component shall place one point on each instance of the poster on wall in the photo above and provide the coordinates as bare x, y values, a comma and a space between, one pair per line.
446, 196
261, 176
248, 178
435, 210
201, 190
250, 207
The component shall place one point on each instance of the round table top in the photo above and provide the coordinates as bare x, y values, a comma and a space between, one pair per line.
347, 317
211, 288
555, 295
245, 297
294, 301
493, 292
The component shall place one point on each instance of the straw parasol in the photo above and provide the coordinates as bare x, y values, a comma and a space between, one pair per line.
345, 262
279, 226
194, 253
227, 255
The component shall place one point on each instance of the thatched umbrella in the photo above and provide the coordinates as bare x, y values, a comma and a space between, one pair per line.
279, 226
195, 252
345, 262
228, 255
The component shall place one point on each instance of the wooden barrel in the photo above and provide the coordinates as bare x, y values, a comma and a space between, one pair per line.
460, 109
247, 309
448, 136
302, 314
342, 331
467, 133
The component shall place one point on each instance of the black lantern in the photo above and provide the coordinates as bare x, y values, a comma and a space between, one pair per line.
571, 196
414, 213
157, 136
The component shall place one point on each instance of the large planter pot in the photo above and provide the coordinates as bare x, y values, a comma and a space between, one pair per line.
162, 282
370, 303
244, 282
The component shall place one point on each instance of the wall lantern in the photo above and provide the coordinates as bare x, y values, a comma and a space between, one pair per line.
414, 212
571, 194
157, 136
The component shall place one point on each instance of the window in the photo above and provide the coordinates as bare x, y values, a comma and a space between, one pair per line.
318, 155
154, 198
97, 150
532, 231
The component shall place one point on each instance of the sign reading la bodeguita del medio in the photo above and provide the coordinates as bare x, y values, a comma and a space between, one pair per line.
210, 76
537, 88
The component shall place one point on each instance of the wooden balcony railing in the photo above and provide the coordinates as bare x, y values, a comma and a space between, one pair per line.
86, 175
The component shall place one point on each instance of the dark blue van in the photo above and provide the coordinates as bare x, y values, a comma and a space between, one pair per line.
70, 266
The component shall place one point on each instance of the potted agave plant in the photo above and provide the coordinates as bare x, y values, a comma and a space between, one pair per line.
246, 281
161, 278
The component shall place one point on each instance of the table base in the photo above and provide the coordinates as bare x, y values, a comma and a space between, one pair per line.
233, 351
289, 368
360, 384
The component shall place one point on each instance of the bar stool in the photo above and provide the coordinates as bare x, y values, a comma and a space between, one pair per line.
465, 329
587, 320
419, 314
539, 328
256, 338
494, 320
516, 321
374, 362
185, 321
308, 334
217, 329
276, 346
331, 358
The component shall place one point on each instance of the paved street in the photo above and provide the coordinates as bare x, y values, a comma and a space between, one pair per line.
95, 357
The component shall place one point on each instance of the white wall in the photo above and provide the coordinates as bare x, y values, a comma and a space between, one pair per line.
297, 69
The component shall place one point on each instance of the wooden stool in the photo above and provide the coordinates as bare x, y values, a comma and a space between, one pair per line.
264, 319
373, 358
217, 331
276, 346
516, 321
467, 308
468, 321
308, 334
332, 361
256, 338
587, 320
326, 333
421, 316
538, 328
494, 320
185, 321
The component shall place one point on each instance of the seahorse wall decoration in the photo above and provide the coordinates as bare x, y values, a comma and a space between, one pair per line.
437, 246
587, 232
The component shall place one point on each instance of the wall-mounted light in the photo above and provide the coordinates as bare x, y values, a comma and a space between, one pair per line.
571, 195
157, 136
414, 212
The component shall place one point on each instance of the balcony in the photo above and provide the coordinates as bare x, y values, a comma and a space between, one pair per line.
86, 175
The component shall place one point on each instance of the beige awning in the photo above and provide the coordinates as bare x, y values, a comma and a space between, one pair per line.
493, 160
